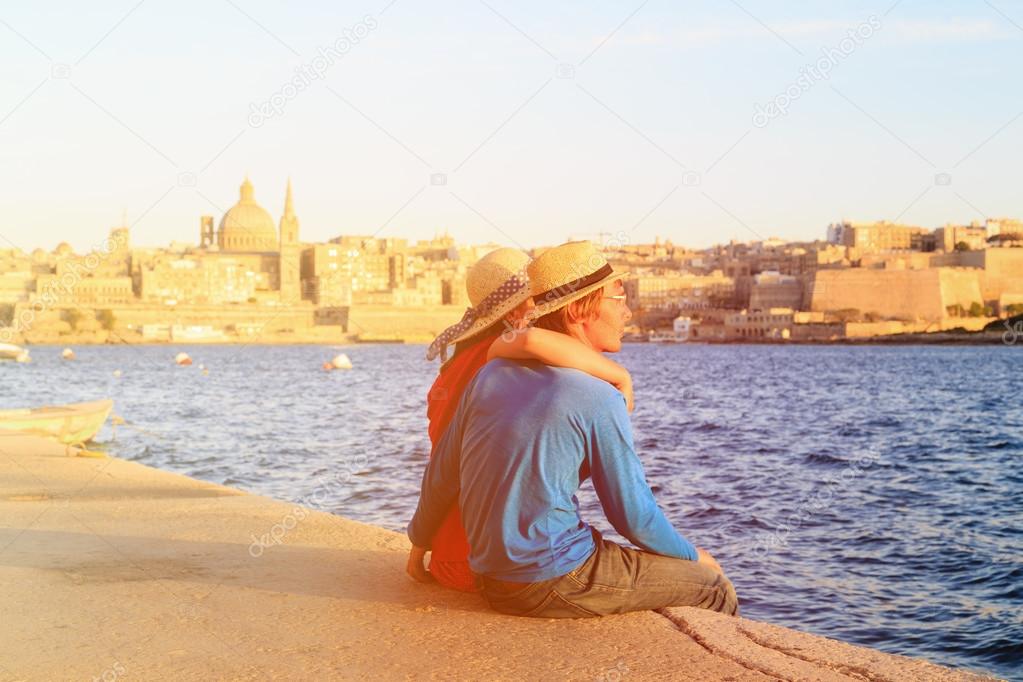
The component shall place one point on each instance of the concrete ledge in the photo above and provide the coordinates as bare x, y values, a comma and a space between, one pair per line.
113, 570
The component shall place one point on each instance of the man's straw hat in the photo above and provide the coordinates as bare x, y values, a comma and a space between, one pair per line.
566, 273
497, 284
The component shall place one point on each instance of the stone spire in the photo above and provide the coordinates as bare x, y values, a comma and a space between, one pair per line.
289, 204
289, 221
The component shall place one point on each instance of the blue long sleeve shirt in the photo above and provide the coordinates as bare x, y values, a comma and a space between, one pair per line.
521, 442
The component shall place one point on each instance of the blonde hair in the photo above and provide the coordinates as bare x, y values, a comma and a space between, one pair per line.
583, 308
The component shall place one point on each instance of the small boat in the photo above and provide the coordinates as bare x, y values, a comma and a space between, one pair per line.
11, 351
662, 337
70, 424
341, 361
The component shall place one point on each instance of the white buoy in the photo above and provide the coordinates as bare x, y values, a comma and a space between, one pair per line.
117, 373
68, 354
341, 361
182, 359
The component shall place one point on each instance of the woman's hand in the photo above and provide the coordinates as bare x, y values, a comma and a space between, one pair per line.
624, 384
416, 566
562, 350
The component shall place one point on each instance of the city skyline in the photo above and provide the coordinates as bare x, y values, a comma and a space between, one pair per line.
534, 125
288, 212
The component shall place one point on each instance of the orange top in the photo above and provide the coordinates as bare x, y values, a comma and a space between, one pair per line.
449, 562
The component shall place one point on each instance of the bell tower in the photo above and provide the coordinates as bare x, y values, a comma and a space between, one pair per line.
206, 237
291, 254
289, 221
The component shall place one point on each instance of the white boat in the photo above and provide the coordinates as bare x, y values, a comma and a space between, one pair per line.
71, 424
11, 351
680, 331
662, 337
341, 361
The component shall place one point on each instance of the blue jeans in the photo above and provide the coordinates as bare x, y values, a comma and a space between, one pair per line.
616, 579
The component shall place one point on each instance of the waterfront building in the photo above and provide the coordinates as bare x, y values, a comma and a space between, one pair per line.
672, 290
67, 291
248, 260
328, 270
422, 290
215, 279
775, 290
1004, 226
773, 323
880, 236
971, 237
682, 326
373, 264
17, 275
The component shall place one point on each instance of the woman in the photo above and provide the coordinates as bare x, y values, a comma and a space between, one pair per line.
493, 327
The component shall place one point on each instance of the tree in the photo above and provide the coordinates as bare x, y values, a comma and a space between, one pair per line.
107, 319
962, 246
848, 315
73, 316
1005, 237
976, 309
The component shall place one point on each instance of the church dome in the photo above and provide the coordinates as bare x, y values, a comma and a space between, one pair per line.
247, 226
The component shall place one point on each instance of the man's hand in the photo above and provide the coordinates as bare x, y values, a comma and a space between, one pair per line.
704, 557
416, 566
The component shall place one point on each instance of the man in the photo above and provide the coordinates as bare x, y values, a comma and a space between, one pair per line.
499, 291
522, 440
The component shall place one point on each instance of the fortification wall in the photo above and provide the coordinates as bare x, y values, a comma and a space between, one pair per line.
891, 293
402, 322
960, 286
1002, 276
907, 294
270, 318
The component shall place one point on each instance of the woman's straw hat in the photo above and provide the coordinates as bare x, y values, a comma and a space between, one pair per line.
566, 273
497, 284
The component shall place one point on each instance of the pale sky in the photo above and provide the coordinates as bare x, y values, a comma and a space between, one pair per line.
546, 120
